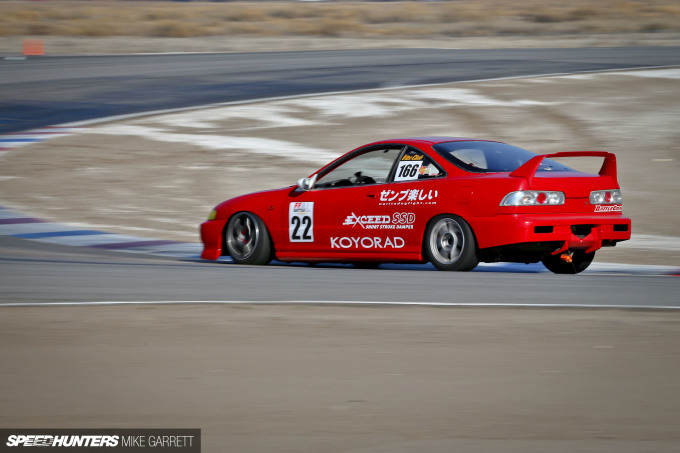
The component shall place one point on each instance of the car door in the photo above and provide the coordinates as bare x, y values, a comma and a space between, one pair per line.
341, 216
413, 197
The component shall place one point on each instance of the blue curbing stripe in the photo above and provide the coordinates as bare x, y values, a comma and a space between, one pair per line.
133, 244
54, 234
19, 221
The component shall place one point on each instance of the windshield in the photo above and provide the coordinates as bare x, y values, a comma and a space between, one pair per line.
491, 157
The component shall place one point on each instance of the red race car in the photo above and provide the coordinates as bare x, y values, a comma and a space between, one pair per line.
451, 201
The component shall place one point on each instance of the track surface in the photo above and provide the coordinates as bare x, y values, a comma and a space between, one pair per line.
44, 273
45, 91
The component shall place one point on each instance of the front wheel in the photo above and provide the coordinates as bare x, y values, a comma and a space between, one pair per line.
580, 261
449, 244
248, 240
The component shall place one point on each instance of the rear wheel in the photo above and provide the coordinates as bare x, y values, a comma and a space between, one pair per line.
580, 261
248, 240
449, 244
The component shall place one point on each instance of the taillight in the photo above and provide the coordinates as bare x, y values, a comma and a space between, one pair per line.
606, 197
533, 198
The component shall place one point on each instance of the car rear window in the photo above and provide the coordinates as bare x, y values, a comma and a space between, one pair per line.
491, 157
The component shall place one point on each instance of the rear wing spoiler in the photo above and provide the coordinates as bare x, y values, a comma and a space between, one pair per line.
529, 169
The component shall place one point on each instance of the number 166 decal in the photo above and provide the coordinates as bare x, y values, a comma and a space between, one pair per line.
407, 171
301, 221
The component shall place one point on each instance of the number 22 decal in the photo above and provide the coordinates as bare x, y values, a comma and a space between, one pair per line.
306, 223
301, 221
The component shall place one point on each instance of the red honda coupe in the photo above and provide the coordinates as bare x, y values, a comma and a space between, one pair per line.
454, 202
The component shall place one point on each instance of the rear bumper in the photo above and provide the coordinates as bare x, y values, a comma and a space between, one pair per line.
587, 232
211, 236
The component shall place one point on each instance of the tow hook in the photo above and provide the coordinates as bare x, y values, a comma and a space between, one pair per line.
567, 257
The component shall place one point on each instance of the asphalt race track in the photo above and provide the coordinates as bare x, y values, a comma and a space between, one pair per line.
36, 273
45, 91
54, 90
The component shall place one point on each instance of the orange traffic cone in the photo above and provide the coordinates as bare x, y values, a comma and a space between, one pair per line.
33, 47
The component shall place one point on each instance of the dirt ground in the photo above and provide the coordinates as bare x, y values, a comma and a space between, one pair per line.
159, 176
360, 379
64, 45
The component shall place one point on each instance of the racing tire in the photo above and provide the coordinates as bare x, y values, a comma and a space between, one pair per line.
449, 244
247, 239
579, 262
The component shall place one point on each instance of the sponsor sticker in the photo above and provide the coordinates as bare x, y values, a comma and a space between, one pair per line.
301, 221
367, 242
398, 221
609, 208
429, 170
408, 197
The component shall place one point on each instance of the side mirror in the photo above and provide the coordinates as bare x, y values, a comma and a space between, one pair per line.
306, 183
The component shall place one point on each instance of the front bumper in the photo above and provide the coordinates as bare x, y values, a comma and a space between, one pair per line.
212, 238
584, 232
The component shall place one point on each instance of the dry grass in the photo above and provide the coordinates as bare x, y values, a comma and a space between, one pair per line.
345, 19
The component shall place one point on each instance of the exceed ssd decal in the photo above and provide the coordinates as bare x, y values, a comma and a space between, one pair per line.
398, 221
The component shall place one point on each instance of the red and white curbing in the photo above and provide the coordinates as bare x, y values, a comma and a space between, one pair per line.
16, 224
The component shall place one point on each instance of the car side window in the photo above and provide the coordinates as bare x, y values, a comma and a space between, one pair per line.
372, 167
416, 165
